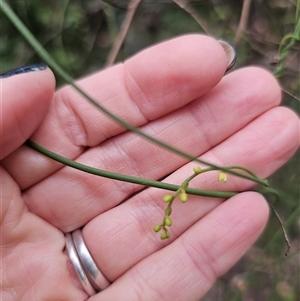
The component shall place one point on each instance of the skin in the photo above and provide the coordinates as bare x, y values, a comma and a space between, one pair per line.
177, 92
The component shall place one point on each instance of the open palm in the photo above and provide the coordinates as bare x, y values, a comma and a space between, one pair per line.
175, 91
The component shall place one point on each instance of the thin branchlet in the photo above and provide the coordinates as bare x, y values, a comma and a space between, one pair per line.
181, 192
283, 231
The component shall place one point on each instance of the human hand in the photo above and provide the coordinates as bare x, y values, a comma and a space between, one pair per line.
176, 92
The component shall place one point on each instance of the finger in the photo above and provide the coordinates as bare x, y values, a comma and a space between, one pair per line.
187, 268
25, 99
121, 237
33, 266
196, 128
147, 86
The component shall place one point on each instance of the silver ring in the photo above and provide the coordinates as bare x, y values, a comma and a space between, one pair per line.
77, 265
98, 281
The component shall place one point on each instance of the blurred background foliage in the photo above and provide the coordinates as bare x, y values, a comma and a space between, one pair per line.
80, 35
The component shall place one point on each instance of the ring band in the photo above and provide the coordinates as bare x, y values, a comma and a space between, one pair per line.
89, 275
98, 281
77, 265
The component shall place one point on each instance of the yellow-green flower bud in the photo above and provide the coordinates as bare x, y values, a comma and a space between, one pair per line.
223, 177
163, 235
168, 221
197, 170
157, 228
183, 197
168, 198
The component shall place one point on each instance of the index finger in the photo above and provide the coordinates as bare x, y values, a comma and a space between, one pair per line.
153, 83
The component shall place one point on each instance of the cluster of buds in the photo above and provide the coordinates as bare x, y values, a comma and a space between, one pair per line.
183, 196
167, 221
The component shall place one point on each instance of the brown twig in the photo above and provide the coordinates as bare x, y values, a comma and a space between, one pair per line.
243, 21
132, 7
189, 9
283, 231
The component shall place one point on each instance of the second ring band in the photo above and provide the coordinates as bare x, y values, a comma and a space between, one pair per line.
89, 274
77, 266
98, 281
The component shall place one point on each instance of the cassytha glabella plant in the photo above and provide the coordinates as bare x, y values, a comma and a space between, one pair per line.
181, 191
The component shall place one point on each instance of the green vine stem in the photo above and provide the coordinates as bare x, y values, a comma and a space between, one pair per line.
125, 178
182, 191
51, 62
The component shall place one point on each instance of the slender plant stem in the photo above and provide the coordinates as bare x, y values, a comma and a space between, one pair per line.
283, 230
46, 56
184, 4
125, 178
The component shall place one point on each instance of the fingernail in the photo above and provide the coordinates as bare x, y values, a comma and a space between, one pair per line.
230, 53
25, 69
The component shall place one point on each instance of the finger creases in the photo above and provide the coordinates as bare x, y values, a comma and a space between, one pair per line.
130, 224
33, 266
71, 198
188, 267
151, 84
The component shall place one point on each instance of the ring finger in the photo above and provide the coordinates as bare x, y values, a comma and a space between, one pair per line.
123, 236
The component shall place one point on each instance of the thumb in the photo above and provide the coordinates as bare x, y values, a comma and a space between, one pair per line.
25, 95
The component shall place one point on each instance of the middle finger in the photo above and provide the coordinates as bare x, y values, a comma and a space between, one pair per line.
69, 199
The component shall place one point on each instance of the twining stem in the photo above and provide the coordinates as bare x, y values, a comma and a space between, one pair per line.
125, 178
184, 4
231, 167
283, 230
46, 56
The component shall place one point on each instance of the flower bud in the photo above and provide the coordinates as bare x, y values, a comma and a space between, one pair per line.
183, 197
197, 170
163, 235
223, 177
168, 198
157, 228
168, 221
